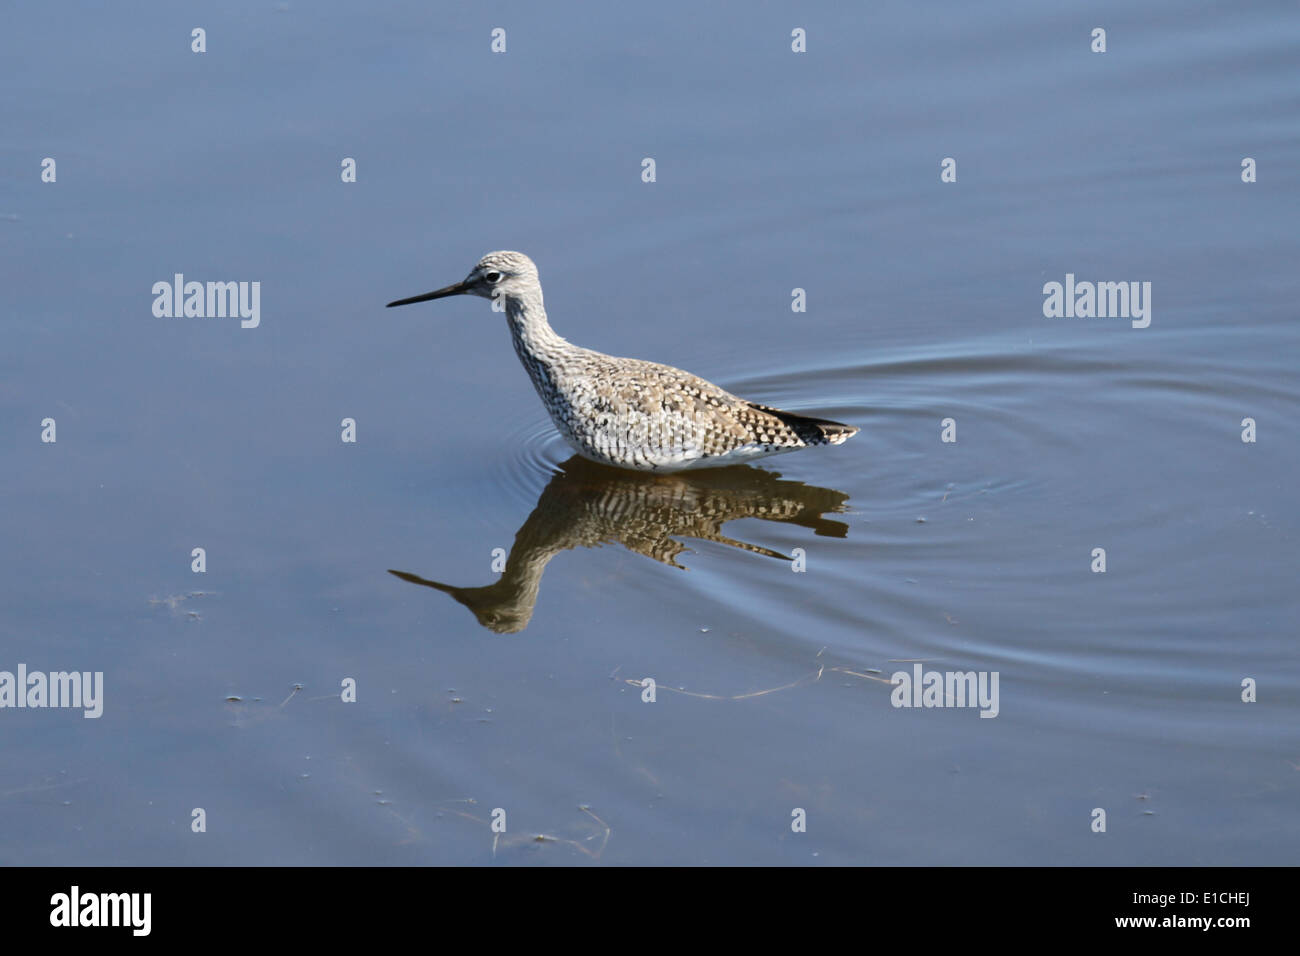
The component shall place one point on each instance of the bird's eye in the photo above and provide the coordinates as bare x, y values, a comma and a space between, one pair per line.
493, 277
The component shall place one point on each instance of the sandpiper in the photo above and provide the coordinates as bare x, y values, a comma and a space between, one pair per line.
627, 412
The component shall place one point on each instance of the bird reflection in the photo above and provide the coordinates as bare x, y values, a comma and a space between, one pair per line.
586, 505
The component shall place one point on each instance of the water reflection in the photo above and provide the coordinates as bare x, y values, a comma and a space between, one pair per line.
587, 504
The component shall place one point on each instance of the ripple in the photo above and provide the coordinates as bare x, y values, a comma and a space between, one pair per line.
1062, 446
534, 452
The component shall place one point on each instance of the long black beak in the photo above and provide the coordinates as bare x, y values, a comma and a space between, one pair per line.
460, 288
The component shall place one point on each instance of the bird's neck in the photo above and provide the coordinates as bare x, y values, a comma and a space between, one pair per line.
532, 333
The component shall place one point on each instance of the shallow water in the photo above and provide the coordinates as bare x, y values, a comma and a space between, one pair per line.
1120, 690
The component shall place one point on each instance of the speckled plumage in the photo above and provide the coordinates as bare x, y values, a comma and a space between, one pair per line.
627, 412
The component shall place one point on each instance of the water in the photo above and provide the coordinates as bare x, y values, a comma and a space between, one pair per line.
774, 170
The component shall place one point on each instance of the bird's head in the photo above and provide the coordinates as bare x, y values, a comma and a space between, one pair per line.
503, 274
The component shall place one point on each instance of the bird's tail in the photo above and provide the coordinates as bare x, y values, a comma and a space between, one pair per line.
813, 431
